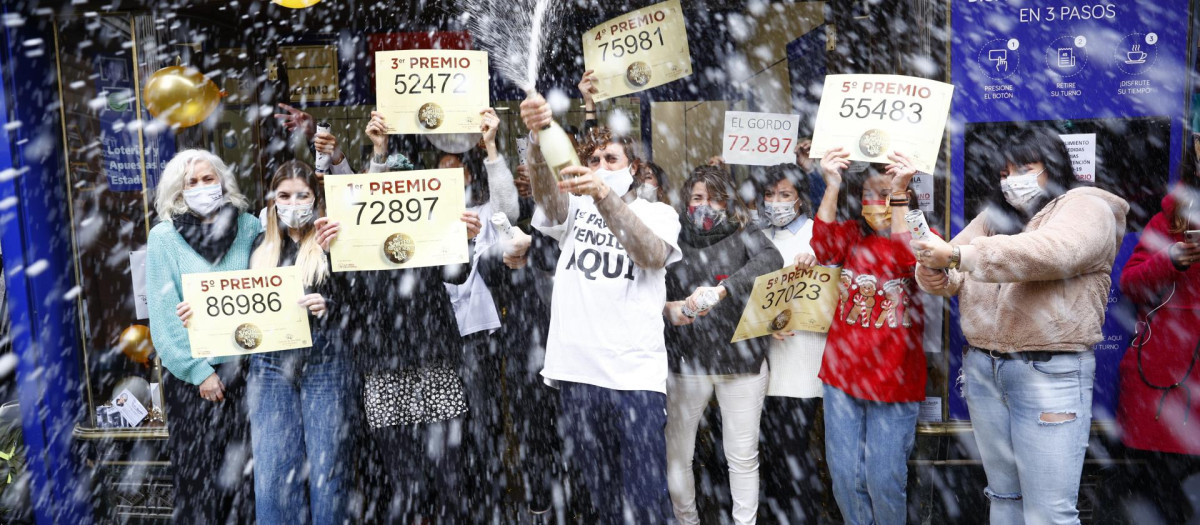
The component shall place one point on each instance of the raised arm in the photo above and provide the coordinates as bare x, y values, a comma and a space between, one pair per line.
500, 179
536, 114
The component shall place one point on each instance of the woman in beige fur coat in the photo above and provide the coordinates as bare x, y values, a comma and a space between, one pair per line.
1032, 273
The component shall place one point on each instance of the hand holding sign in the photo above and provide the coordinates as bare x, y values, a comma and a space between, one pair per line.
426, 91
873, 115
790, 299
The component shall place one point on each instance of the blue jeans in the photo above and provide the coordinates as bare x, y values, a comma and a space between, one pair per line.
301, 429
616, 440
1031, 422
867, 445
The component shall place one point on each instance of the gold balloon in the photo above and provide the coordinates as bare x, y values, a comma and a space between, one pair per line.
136, 344
297, 4
181, 96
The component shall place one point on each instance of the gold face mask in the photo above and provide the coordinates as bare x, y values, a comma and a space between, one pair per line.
877, 214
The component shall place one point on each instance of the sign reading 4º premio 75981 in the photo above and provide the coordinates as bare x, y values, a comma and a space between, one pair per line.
429, 91
873, 115
246, 312
638, 50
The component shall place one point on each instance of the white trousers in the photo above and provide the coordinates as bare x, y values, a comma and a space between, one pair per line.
741, 399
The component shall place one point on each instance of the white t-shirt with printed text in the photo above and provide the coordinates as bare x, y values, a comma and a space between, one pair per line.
606, 322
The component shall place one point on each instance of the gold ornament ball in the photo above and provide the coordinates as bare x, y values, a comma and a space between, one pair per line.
181, 96
136, 344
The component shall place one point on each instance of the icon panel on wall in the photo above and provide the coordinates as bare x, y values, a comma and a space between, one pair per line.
1136, 53
1066, 56
999, 58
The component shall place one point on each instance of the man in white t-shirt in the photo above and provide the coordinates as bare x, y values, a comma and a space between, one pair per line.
605, 349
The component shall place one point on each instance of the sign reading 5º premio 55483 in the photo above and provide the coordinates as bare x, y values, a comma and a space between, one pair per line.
790, 299
638, 50
428, 91
246, 312
402, 219
873, 115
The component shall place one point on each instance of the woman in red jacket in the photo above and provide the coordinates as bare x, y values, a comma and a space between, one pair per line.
1158, 409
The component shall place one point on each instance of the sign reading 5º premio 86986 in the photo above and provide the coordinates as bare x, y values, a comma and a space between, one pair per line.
638, 50
790, 299
759, 139
873, 115
429, 91
246, 312
402, 219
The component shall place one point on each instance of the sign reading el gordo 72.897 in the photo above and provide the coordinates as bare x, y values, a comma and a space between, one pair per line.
759, 139
428, 91
246, 311
873, 115
638, 50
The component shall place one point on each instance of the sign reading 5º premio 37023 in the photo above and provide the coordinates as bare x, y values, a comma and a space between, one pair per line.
429, 91
790, 299
873, 115
246, 312
394, 220
638, 50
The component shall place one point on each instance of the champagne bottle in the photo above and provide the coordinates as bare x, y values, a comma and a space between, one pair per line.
323, 159
556, 146
557, 149
503, 227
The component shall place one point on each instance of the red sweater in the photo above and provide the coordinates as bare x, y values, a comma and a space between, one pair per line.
1149, 420
874, 349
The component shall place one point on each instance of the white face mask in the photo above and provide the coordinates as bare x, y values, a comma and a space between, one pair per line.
648, 193
204, 200
294, 215
618, 181
779, 214
1021, 190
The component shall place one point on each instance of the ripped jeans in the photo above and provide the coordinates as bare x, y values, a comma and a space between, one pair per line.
1031, 420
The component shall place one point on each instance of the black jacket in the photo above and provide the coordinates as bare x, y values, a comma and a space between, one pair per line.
734, 258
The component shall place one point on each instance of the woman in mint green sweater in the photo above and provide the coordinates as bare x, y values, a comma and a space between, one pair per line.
203, 228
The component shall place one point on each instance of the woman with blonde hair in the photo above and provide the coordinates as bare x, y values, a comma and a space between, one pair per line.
301, 400
203, 228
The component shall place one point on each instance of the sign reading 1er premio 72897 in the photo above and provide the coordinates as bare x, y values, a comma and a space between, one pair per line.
428, 91
638, 50
246, 312
759, 139
873, 115
402, 219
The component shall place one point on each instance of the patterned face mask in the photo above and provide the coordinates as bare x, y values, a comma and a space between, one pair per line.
706, 217
877, 214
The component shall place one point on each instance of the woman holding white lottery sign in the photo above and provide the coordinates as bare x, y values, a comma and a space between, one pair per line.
408, 351
203, 228
1032, 274
873, 367
792, 444
301, 401
723, 252
605, 348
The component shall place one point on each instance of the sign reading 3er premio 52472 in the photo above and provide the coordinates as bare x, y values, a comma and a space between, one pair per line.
427, 91
393, 220
246, 312
638, 50
873, 115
